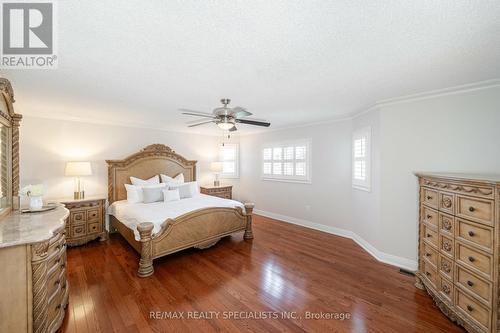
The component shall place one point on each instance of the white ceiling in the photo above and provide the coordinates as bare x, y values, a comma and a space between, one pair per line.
290, 62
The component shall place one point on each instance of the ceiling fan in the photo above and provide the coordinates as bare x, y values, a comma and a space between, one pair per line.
225, 117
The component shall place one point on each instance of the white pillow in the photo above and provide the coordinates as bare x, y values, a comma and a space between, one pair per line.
171, 195
135, 193
179, 179
186, 190
142, 182
153, 193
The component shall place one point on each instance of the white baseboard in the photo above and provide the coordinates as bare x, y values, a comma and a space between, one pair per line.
379, 255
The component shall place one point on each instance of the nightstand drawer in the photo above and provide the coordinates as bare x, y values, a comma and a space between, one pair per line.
78, 230
78, 217
93, 214
93, 228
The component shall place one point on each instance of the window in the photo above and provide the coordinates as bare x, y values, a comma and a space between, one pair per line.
361, 159
229, 156
288, 161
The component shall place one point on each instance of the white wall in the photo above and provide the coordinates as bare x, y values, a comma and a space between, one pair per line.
457, 132
452, 133
45, 146
326, 200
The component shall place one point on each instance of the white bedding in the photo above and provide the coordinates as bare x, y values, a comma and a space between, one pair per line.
132, 214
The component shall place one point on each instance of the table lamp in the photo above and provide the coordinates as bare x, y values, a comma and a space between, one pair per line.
78, 170
216, 168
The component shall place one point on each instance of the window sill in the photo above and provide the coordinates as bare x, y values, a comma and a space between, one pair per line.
362, 188
297, 181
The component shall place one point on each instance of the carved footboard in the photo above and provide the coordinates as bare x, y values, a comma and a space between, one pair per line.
201, 229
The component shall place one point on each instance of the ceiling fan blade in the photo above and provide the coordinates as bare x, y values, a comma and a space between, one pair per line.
253, 122
202, 123
239, 112
196, 113
198, 121
232, 129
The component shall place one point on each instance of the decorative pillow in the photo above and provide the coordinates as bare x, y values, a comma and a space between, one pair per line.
179, 179
141, 182
134, 193
153, 193
171, 195
186, 190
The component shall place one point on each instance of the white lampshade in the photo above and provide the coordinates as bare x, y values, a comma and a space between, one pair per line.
78, 169
216, 166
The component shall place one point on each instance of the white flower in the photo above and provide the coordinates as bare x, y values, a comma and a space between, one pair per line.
32, 190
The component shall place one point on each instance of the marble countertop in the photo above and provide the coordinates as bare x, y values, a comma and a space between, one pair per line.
24, 228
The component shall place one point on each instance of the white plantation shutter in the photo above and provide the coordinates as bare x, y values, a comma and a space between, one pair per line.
229, 156
287, 161
361, 158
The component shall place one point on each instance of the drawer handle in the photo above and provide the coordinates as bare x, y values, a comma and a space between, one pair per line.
428, 254
470, 283
471, 209
429, 216
470, 308
471, 233
58, 261
472, 259
447, 225
429, 235
63, 265
427, 273
429, 197
57, 282
58, 306
78, 217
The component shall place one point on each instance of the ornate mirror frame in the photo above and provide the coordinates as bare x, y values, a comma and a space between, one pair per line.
11, 120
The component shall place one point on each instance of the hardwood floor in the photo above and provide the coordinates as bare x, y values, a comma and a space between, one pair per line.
285, 268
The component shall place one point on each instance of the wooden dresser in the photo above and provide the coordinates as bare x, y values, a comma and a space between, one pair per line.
459, 242
34, 289
86, 220
224, 192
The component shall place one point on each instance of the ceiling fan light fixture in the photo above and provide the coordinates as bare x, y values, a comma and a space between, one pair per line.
227, 125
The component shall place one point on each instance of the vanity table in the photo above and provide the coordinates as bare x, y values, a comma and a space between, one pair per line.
33, 261
33, 288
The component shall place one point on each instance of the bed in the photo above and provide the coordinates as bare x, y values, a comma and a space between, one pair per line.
171, 227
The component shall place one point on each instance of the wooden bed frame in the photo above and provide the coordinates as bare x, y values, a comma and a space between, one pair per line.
200, 228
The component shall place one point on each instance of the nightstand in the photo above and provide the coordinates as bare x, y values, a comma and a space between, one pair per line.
224, 192
86, 220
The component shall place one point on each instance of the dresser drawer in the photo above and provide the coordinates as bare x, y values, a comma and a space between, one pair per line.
430, 254
93, 214
93, 228
445, 289
476, 285
430, 216
475, 234
446, 224
78, 230
429, 273
447, 202
446, 267
479, 210
77, 217
473, 309
446, 246
429, 235
430, 197
478, 261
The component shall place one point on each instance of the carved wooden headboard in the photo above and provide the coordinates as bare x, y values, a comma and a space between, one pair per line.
153, 160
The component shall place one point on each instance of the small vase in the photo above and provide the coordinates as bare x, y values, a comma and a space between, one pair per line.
36, 202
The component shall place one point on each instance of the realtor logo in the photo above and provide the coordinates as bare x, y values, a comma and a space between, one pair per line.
28, 35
